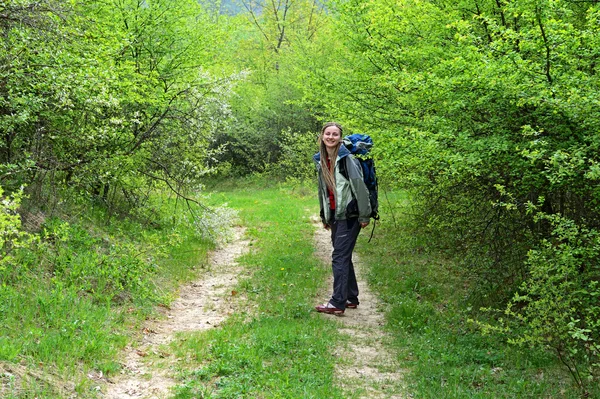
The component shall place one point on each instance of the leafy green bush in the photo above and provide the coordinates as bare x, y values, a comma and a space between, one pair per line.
110, 113
104, 269
558, 306
12, 237
297, 150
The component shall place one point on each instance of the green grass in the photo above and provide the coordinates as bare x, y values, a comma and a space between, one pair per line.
428, 314
75, 301
56, 327
283, 348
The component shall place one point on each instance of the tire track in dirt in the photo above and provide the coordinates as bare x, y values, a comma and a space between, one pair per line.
201, 305
364, 366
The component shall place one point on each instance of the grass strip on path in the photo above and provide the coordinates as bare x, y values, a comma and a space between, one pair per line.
276, 346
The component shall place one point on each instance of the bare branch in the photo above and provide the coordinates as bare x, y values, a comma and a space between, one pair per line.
168, 181
546, 45
250, 10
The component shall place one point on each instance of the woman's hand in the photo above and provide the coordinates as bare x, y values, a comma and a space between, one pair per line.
363, 224
325, 226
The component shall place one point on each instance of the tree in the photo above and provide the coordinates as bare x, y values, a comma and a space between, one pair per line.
268, 38
109, 98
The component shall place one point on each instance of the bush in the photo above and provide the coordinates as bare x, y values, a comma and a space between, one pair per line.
297, 150
12, 237
559, 304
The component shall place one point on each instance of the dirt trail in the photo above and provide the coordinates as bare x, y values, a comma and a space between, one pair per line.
364, 365
201, 305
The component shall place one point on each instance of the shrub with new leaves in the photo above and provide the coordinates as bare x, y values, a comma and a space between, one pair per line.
12, 237
559, 304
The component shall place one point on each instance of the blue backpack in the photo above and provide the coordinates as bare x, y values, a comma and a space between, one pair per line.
360, 145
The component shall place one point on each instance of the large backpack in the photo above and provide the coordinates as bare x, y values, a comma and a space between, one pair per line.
359, 145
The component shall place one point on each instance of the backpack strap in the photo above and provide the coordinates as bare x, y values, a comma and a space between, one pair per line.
343, 167
373, 230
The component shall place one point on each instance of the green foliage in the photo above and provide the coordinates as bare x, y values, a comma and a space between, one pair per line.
12, 237
423, 293
296, 163
558, 305
110, 98
268, 44
484, 110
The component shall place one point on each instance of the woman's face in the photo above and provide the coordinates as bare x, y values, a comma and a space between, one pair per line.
332, 137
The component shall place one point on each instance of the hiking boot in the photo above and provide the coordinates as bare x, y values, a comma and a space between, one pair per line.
329, 309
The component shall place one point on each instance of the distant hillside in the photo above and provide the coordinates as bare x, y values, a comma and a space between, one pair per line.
229, 7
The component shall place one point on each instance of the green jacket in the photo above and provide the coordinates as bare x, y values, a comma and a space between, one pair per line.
351, 193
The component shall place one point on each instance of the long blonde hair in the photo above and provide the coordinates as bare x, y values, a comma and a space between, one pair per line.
328, 173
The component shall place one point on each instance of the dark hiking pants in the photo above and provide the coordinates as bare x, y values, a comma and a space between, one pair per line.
343, 237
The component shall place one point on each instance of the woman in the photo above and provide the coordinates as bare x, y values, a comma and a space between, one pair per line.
345, 209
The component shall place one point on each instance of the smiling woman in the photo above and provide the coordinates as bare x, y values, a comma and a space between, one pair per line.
332, 136
345, 209
330, 139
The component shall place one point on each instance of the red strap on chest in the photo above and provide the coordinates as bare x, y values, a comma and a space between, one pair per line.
331, 196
